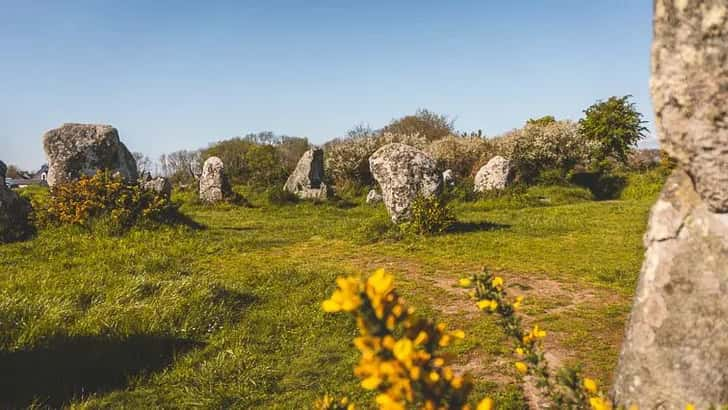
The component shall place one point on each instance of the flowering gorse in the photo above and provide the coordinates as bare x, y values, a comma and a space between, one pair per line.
400, 357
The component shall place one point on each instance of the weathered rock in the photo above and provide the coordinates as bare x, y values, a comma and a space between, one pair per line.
448, 178
214, 183
374, 197
676, 345
74, 150
159, 185
496, 174
403, 172
690, 91
14, 212
307, 180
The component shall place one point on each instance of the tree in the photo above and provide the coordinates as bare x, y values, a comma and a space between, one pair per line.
545, 120
144, 164
615, 126
428, 124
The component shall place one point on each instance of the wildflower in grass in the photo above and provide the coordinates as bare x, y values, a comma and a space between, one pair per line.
598, 403
485, 404
521, 367
590, 385
464, 282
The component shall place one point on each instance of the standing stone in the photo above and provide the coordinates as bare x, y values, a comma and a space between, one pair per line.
374, 197
159, 185
307, 180
75, 150
676, 344
214, 183
448, 178
496, 174
14, 212
403, 172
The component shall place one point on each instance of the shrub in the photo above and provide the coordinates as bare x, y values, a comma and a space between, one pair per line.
543, 145
15, 214
463, 155
614, 126
378, 228
603, 184
103, 195
645, 185
429, 215
428, 124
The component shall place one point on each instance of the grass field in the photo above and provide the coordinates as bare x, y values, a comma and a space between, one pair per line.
229, 315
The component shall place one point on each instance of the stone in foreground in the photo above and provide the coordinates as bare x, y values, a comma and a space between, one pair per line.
307, 180
675, 348
75, 150
496, 174
403, 172
214, 183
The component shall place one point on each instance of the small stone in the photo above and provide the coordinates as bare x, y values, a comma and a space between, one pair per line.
496, 174
307, 180
374, 197
214, 183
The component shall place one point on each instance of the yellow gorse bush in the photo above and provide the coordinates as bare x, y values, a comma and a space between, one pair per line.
400, 357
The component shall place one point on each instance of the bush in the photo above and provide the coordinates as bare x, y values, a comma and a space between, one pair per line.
15, 223
463, 155
603, 184
646, 185
425, 123
430, 215
108, 197
544, 145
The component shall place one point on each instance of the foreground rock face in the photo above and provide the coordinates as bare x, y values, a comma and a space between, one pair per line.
690, 91
496, 174
403, 172
214, 183
74, 150
374, 197
307, 180
14, 211
676, 345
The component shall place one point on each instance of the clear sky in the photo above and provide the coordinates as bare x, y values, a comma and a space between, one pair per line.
180, 74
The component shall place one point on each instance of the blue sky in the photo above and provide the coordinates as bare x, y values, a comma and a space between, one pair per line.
179, 75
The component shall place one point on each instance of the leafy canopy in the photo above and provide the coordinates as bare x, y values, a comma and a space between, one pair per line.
616, 127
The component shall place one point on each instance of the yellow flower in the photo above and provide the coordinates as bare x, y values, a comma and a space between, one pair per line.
434, 377
599, 403
371, 382
520, 351
485, 404
487, 304
444, 341
345, 298
497, 282
590, 385
517, 303
690, 406
521, 367
386, 402
458, 334
381, 282
465, 282
403, 349
422, 338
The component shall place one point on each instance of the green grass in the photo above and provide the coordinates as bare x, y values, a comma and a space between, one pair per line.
229, 316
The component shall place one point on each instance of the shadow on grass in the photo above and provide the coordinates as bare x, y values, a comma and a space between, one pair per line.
76, 367
464, 227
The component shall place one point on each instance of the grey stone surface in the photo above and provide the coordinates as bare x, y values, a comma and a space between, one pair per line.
448, 178
690, 91
74, 150
214, 183
496, 174
403, 172
676, 346
159, 185
374, 197
307, 180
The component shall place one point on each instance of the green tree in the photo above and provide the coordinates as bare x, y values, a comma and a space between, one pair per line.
615, 126
428, 124
545, 120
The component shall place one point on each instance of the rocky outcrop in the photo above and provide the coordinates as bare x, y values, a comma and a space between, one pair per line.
403, 172
676, 343
496, 174
75, 150
307, 180
214, 183
14, 212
